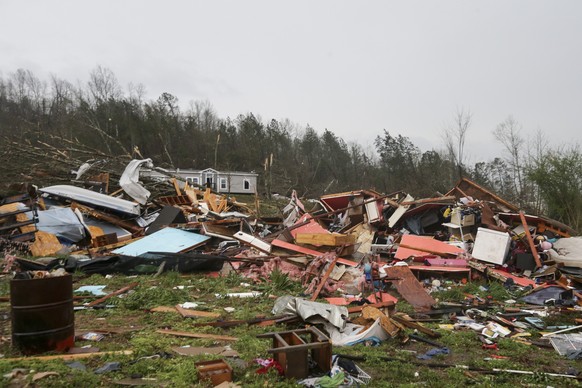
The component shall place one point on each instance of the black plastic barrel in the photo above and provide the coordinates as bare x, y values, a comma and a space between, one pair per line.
43, 318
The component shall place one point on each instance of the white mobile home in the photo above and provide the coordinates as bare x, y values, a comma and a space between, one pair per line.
235, 182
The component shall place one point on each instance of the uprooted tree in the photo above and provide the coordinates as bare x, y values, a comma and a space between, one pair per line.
50, 128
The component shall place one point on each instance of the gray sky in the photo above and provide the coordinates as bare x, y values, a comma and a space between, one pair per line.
354, 68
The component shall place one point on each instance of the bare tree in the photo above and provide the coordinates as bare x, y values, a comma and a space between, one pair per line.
508, 134
103, 85
454, 136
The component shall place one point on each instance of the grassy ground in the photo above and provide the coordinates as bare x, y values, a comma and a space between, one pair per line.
390, 364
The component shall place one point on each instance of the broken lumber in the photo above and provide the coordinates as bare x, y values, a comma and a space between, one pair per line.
133, 228
323, 280
530, 241
187, 313
413, 325
66, 357
115, 293
446, 199
357, 309
327, 239
197, 335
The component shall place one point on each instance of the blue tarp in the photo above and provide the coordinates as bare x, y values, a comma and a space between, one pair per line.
166, 240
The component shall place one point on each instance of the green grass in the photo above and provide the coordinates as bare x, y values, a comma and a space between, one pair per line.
137, 332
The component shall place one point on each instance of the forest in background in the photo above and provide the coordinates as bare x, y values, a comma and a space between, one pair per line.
50, 127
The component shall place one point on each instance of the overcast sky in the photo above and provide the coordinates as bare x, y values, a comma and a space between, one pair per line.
354, 68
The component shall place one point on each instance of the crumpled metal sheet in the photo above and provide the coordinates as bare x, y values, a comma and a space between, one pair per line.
313, 312
129, 180
92, 198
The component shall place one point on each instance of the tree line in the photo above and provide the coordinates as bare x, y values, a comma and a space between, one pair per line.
104, 117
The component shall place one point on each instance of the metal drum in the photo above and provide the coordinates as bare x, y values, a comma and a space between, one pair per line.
43, 318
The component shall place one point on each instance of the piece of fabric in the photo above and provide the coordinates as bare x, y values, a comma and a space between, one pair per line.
313, 312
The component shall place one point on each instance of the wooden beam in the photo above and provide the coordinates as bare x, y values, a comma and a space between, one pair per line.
197, 335
447, 199
532, 246
134, 229
187, 313
176, 186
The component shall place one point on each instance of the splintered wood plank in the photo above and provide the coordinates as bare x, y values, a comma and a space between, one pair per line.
222, 205
187, 313
210, 199
71, 356
405, 320
176, 186
410, 288
111, 295
530, 241
197, 335
323, 280
191, 193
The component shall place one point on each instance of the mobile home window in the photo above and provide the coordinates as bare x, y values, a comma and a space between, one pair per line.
196, 180
247, 184
223, 183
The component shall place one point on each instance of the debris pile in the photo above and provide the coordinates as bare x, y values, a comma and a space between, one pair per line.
358, 256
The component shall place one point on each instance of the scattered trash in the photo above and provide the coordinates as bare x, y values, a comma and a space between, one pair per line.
355, 254
433, 352
108, 367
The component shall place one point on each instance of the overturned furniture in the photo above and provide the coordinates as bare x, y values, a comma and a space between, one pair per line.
291, 350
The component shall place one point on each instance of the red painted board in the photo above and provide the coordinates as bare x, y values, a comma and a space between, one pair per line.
312, 227
412, 245
523, 282
307, 251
